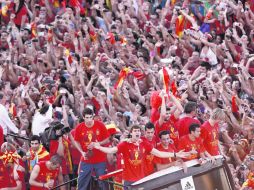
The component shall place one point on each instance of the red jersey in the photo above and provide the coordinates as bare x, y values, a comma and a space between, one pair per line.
75, 154
168, 126
148, 161
7, 177
210, 136
45, 175
133, 156
171, 148
186, 144
18, 16
41, 155
183, 125
66, 160
86, 135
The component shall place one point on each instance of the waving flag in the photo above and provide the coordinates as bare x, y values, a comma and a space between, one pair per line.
4, 9
122, 75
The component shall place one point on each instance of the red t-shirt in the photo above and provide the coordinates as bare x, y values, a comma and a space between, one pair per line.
7, 177
148, 162
186, 144
85, 135
183, 125
45, 175
74, 152
18, 17
168, 126
133, 156
66, 160
171, 148
210, 136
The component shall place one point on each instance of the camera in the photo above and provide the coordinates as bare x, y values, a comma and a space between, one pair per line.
51, 133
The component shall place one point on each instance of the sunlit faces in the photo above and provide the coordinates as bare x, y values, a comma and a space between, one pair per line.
149, 134
197, 132
165, 140
89, 120
35, 145
136, 134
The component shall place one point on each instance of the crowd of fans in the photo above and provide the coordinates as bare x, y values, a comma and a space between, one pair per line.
164, 72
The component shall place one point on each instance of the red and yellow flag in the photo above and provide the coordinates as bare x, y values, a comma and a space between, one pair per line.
10, 157
34, 30
122, 75
4, 9
13, 110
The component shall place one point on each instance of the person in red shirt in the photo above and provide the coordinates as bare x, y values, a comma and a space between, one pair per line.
149, 138
61, 146
167, 120
167, 145
19, 12
210, 132
12, 174
45, 174
134, 151
184, 123
86, 133
192, 141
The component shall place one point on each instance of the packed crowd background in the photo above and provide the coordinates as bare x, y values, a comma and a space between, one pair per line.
154, 70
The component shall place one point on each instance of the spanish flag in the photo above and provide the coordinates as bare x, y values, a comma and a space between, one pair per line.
10, 157
123, 41
33, 29
180, 25
68, 155
56, 4
166, 79
93, 36
4, 9
122, 75
250, 181
13, 110
68, 55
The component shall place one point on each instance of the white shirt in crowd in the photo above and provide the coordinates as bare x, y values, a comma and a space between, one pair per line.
41, 122
6, 122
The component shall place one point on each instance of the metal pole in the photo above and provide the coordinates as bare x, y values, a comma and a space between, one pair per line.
17, 136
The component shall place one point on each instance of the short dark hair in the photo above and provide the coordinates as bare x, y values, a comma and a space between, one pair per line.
88, 111
35, 138
149, 125
44, 109
193, 127
189, 107
165, 132
56, 159
134, 127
